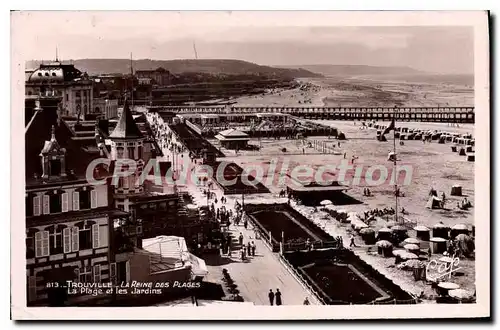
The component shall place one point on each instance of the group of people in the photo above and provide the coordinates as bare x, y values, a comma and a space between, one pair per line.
367, 192
275, 297
464, 204
282, 194
246, 250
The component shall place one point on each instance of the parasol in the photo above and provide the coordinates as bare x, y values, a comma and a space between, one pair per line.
398, 228
408, 255
421, 228
411, 247
437, 240
448, 285
366, 231
398, 252
460, 294
460, 226
384, 244
411, 240
326, 202
414, 263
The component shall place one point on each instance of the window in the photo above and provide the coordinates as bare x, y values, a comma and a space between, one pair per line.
76, 200
77, 94
75, 239
86, 274
56, 240
93, 199
55, 202
36, 205
67, 240
46, 204
55, 167
97, 273
85, 237
30, 246
131, 152
139, 150
119, 152
29, 205
95, 236
65, 202
42, 244
84, 199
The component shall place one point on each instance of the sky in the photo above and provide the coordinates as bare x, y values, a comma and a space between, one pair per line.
261, 37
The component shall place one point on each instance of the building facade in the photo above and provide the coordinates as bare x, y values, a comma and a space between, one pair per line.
65, 83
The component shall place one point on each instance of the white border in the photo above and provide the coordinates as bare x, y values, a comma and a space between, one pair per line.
482, 179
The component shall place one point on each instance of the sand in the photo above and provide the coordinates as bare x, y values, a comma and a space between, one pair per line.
364, 92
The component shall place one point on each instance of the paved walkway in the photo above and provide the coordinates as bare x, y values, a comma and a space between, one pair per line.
256, 275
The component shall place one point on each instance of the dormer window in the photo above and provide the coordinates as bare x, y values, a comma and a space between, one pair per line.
53, 158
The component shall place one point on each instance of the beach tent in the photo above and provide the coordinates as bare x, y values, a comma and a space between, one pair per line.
462, 152
391, 156
442, 140
471, 158
469, 149
456, 190
433, 203
418, 136
381, 138
454, 148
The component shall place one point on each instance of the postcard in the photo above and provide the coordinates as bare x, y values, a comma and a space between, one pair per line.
250, 165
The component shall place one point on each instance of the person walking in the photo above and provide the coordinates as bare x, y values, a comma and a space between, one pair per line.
254, 247
352, 241
271, 297
245, 223
240, 239
249, 249
278, 297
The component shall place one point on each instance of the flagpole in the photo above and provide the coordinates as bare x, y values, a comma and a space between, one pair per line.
395, 163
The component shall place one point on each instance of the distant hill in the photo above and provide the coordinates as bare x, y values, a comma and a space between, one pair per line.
355, 70
214, 67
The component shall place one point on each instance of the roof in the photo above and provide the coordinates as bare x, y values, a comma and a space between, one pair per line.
233, 133
126, 127
56, 72
39, 132
166, 252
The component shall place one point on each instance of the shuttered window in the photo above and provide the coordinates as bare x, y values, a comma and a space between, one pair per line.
67, 240
36, 206
65, 202
76, 201
42, 244
93, 199
95, 236
97, 273
46, 204
75, 243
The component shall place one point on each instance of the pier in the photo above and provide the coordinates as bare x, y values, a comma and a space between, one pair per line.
421, 114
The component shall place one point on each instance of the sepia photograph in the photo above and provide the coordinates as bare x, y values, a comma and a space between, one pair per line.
290, 165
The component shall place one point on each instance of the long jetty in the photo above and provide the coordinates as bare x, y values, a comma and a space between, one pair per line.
424, 114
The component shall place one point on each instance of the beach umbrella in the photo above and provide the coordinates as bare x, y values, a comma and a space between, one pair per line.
414, 263
448, 285
398, 252
411, 247
398, 228
408, 255
326, 202
411, 240
459, 226
438, 240
367, 231
460, 294
440, 225
385, 244
421, 228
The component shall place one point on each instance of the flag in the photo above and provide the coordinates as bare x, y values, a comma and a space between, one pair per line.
389, 128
